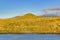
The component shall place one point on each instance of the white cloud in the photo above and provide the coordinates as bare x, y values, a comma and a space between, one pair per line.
52, 12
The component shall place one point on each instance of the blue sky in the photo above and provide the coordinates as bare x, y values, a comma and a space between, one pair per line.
11, 8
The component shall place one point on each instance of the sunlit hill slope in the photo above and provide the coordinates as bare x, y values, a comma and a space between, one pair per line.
30, 23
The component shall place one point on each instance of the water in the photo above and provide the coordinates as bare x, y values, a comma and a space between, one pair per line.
29, 36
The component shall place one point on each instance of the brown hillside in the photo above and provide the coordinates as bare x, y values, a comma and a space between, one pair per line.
30, 23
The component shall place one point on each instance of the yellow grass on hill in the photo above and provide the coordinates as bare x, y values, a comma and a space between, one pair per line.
30, 23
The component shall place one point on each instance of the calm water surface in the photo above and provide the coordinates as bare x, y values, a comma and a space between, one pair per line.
29, 36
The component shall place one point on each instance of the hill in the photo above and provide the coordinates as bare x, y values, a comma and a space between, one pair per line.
30, 23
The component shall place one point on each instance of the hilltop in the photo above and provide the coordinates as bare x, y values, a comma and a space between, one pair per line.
30, 23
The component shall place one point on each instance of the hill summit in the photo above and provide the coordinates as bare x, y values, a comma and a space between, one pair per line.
29, 14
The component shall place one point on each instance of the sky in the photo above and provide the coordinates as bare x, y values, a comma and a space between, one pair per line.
11, 8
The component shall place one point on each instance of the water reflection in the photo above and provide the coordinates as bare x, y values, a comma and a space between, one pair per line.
29, 36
